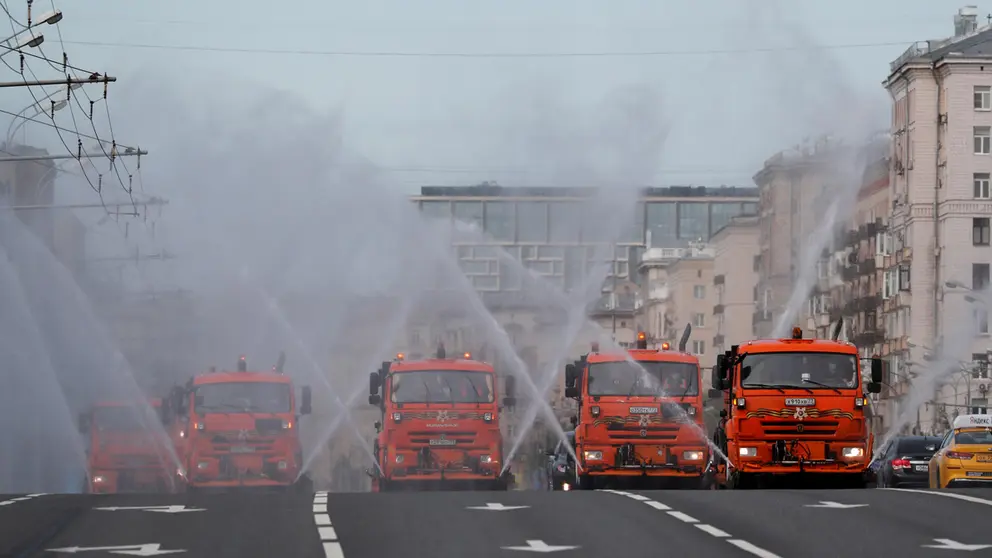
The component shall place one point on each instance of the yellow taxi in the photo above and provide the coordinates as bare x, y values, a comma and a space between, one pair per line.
964, 457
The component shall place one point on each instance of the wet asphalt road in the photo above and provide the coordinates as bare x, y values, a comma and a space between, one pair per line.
783, 523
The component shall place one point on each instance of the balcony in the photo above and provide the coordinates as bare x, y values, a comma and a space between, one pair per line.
718, 340
718, 309
871, 303
719, 279
869, 338
850, 272
851, 238
867, 267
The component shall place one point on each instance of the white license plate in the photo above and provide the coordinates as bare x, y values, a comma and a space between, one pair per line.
242, 449
923, 468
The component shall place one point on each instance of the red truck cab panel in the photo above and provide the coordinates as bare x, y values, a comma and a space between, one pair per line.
640, 416
440, 425
795, 406
128, 448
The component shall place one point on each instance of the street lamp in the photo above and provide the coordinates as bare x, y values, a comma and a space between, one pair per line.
50, 18
40, 108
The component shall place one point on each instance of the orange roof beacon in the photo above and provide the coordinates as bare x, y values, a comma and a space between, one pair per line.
126, 451
640, 419
440, 426
241, 430
794, 409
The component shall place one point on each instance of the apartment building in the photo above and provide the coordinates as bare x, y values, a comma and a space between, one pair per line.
735, 281
941, 208
685, 278
795, 186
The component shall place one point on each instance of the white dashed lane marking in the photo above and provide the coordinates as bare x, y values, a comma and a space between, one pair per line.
706, 528
328, 536
20, 499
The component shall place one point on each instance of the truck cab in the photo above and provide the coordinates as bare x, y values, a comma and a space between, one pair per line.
241, 429
794, 409
440, 425
128, 448
640, 419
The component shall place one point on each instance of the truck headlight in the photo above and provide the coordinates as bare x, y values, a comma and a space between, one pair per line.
488, 417
287, 424
485, 459
98, 479
397, 417
202, 465
749, 452
592, 455
692, 455
852, 452
282, 465
399, 459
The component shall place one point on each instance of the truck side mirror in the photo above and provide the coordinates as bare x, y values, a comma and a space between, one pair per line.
571, 391
509, 402
378, 426
510, 387
571, 374
374, 399
874, 387
306, 405
720, 372
716, 393
876, 371
373, 383
575, 421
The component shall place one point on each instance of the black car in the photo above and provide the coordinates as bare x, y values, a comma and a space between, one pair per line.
906, 462
561, 466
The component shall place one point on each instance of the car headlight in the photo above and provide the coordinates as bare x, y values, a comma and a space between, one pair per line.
692, 455
852, 452
749, 452
592, 455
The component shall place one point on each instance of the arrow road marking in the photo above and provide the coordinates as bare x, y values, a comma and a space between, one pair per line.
492, 506
158, 509
129, 549
948, 544
539, 546
835, 505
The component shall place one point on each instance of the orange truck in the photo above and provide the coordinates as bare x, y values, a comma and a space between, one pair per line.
127, 451
640, 417
794, 410
440, 426
241, 429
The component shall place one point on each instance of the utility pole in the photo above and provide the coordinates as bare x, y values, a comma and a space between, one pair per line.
613, 295
95, 78
128, 152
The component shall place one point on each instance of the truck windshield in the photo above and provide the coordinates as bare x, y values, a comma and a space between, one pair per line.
441, 386
670, 379
799, 370
124, 418
244, 397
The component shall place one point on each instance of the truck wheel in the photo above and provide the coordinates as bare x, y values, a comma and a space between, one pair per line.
585, 482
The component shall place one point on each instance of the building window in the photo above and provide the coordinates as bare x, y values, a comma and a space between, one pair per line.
698, 347
980, 231
662, 224
983, 97
979, 276
694, 221
981, 182
699, 291
983, 140
890, 284
532, 222
980, 406
904, 278
500, 221
698, 320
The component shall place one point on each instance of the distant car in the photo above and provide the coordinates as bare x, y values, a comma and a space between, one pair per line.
905, 462
561, 466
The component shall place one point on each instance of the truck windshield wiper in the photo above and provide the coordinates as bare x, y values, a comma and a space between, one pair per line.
427, 392
478, 396
815, 383
768, 386
633, 387
451, 391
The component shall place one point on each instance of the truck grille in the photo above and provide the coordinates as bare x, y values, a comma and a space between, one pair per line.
799, 429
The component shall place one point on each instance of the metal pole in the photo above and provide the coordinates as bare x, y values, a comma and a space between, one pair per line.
152, 202
616, 299
63, 81
129, 152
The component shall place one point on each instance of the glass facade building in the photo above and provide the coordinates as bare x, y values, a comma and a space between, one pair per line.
548, 229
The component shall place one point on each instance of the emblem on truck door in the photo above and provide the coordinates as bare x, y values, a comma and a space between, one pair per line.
242, 435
